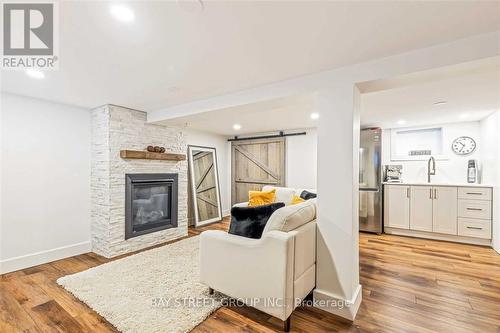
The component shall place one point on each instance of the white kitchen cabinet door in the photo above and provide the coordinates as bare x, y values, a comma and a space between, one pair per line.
445, 210
421, 208
397, 206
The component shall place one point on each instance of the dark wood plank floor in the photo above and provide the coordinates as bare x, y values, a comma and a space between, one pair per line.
409, 285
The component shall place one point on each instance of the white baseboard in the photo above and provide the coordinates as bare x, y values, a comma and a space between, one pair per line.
435, 236
338, 306
226, 212
38, 258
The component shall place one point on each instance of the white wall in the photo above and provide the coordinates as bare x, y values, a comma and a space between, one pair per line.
453, 169
337, 262
223, 147
45, 192
490, 155
301, 155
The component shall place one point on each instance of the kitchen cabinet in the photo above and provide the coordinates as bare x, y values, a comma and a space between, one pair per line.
474, 209
446, 212
475, 212
421, 208
473, 193
397, 206
474, 228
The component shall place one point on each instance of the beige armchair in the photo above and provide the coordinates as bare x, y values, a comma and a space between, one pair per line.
273, 273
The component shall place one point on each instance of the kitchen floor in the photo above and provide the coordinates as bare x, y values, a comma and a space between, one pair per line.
409, 285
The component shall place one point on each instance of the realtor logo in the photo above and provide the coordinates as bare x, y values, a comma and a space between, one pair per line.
29, 31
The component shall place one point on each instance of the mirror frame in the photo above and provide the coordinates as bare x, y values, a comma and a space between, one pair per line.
218, 218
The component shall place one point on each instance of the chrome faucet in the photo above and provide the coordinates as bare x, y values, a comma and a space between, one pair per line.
429, 171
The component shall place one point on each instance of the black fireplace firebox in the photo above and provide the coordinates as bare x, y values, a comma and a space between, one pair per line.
150, 203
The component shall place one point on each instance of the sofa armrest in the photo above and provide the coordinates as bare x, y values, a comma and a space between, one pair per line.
254, 270
241, 204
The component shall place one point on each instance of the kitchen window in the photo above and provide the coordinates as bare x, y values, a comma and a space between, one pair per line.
417, 144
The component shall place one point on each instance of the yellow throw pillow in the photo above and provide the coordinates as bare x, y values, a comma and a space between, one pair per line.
296, 200
259, 198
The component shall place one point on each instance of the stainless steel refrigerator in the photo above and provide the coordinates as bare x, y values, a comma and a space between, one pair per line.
370, 181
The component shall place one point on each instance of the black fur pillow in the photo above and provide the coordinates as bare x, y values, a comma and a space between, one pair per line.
250, 221
306, 195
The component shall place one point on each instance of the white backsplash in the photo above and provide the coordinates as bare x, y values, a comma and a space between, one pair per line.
453, 169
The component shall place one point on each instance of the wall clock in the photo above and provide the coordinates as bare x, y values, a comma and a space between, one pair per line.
463, 145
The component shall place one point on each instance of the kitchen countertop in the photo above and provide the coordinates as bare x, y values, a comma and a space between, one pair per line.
439, 184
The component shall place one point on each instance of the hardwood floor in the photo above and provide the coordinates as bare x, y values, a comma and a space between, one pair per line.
409, 285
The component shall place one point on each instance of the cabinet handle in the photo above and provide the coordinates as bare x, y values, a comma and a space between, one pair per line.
430, 193
407, 192
435, 193
479, 209
474, 193
475, 228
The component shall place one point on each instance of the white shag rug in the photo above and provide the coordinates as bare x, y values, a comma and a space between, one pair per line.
149, 292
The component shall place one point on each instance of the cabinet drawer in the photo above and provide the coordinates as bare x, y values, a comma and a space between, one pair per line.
474, 193
474, 228
475, 209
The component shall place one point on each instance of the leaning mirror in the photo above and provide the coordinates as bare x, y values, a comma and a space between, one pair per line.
205, 193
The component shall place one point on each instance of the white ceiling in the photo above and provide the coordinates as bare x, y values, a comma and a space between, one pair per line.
471, 92
169, 55
269, 116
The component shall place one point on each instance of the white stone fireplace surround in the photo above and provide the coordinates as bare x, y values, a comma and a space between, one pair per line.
115, 128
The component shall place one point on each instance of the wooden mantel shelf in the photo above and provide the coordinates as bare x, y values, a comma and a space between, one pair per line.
146, 155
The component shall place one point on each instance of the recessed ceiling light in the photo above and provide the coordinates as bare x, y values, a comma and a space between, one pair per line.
173, 89
440, 102
122, 13
464, 116
191, 6
35, 73
314, 115
401, 122
236, 127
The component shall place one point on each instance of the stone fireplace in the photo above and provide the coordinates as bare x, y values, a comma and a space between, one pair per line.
155, 217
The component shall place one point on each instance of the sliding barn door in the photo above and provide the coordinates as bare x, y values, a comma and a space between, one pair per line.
256, 163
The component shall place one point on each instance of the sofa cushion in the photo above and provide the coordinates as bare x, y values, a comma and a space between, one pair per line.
296, 200
259, 198
283, 194
306, 195
251, 221
291, 217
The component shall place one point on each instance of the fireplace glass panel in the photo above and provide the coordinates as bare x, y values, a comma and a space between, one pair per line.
151, 205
